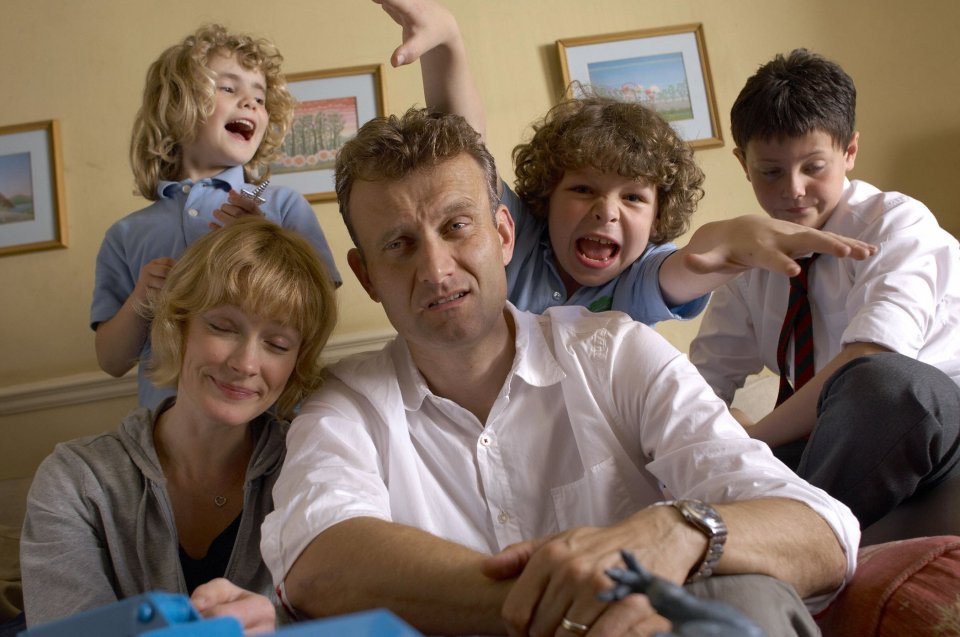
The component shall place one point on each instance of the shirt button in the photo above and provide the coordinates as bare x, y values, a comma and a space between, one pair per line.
185, 188
485, 440
503, 517
193, 212
556, 296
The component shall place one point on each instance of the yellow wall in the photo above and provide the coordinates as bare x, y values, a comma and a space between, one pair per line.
83, 63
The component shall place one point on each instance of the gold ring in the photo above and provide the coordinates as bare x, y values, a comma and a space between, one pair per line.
574, 627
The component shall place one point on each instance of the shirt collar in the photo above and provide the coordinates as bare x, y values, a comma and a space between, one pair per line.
230, 179
534, 362
840, 210
537, 365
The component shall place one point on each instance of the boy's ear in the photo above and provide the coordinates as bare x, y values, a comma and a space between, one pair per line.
742, 158
850, 153
359, 267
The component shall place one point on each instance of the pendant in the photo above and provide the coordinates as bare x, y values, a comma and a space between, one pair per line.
219, 500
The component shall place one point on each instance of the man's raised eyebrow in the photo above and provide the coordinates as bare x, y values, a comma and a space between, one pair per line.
461, 204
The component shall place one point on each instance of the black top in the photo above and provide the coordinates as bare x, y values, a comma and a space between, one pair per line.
214, 563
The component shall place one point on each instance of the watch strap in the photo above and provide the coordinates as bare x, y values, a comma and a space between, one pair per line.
707, 520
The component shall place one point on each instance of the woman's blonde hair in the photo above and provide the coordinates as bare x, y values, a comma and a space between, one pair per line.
180, 93
263, 269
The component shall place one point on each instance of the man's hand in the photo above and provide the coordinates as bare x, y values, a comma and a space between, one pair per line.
560, 576
426, 25
151, 279
752, 241
236, 206
688, 615
220, 597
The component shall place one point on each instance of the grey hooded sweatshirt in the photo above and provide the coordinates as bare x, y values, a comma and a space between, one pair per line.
99, 525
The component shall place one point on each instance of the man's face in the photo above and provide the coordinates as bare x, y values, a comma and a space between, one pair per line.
798, 179
432, 254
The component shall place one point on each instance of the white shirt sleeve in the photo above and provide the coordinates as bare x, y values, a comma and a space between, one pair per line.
332, 473
725, 350
700, 451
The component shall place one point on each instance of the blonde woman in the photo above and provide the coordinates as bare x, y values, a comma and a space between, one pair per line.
175, 497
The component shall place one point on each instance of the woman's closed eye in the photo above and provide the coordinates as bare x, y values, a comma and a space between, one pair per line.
222, 328
281, 347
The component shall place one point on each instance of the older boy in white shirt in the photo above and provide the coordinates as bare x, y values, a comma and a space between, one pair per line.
870, 410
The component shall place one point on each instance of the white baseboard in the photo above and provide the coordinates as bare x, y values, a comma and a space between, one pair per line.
95, 386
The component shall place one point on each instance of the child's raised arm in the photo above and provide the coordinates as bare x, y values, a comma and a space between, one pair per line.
431, 34
120, 339
720, 250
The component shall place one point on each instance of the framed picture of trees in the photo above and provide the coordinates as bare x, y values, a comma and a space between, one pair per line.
331, 106
665, 69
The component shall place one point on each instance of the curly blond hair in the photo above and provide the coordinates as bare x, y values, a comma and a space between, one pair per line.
609, 135
180, 93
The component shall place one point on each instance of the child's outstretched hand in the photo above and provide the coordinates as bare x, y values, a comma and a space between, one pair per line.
426, 25
151, 279
752, 241
236, 206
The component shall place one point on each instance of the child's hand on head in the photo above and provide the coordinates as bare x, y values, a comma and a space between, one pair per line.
151, 279
752, 241
236, 206
426, 25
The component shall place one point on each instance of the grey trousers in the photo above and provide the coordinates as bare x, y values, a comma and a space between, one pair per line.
771, 604
888, 426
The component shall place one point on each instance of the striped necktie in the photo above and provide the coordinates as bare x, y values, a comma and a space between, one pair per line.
797, 324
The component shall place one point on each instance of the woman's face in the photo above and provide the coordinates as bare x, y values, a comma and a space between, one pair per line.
235, 364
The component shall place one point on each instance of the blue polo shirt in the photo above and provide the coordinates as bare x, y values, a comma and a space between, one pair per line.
535, 285
167, 226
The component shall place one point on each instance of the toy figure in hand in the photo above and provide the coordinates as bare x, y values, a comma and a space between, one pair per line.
690, 616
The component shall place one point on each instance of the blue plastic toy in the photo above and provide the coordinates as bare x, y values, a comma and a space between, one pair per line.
170, 615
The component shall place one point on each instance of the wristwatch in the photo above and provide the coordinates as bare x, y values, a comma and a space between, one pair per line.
707, 520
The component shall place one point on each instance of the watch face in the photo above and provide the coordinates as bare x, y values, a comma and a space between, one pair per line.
698, 511
708, 520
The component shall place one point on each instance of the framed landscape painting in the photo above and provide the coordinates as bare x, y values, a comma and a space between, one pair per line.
331, 106
32, 215
665, 69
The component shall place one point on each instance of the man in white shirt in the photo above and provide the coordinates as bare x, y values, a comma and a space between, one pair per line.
546, 441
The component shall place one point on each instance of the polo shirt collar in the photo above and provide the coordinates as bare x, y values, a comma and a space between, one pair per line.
230, 179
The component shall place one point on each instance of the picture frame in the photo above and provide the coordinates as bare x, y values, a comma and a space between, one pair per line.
32, 212
664, 68
331, 106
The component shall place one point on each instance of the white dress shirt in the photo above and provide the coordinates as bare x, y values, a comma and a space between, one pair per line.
905, 298
598, 418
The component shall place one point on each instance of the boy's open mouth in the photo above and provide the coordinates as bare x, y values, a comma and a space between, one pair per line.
597, 249
242, 127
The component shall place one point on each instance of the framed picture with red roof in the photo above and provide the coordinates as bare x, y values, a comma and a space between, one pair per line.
665, 69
